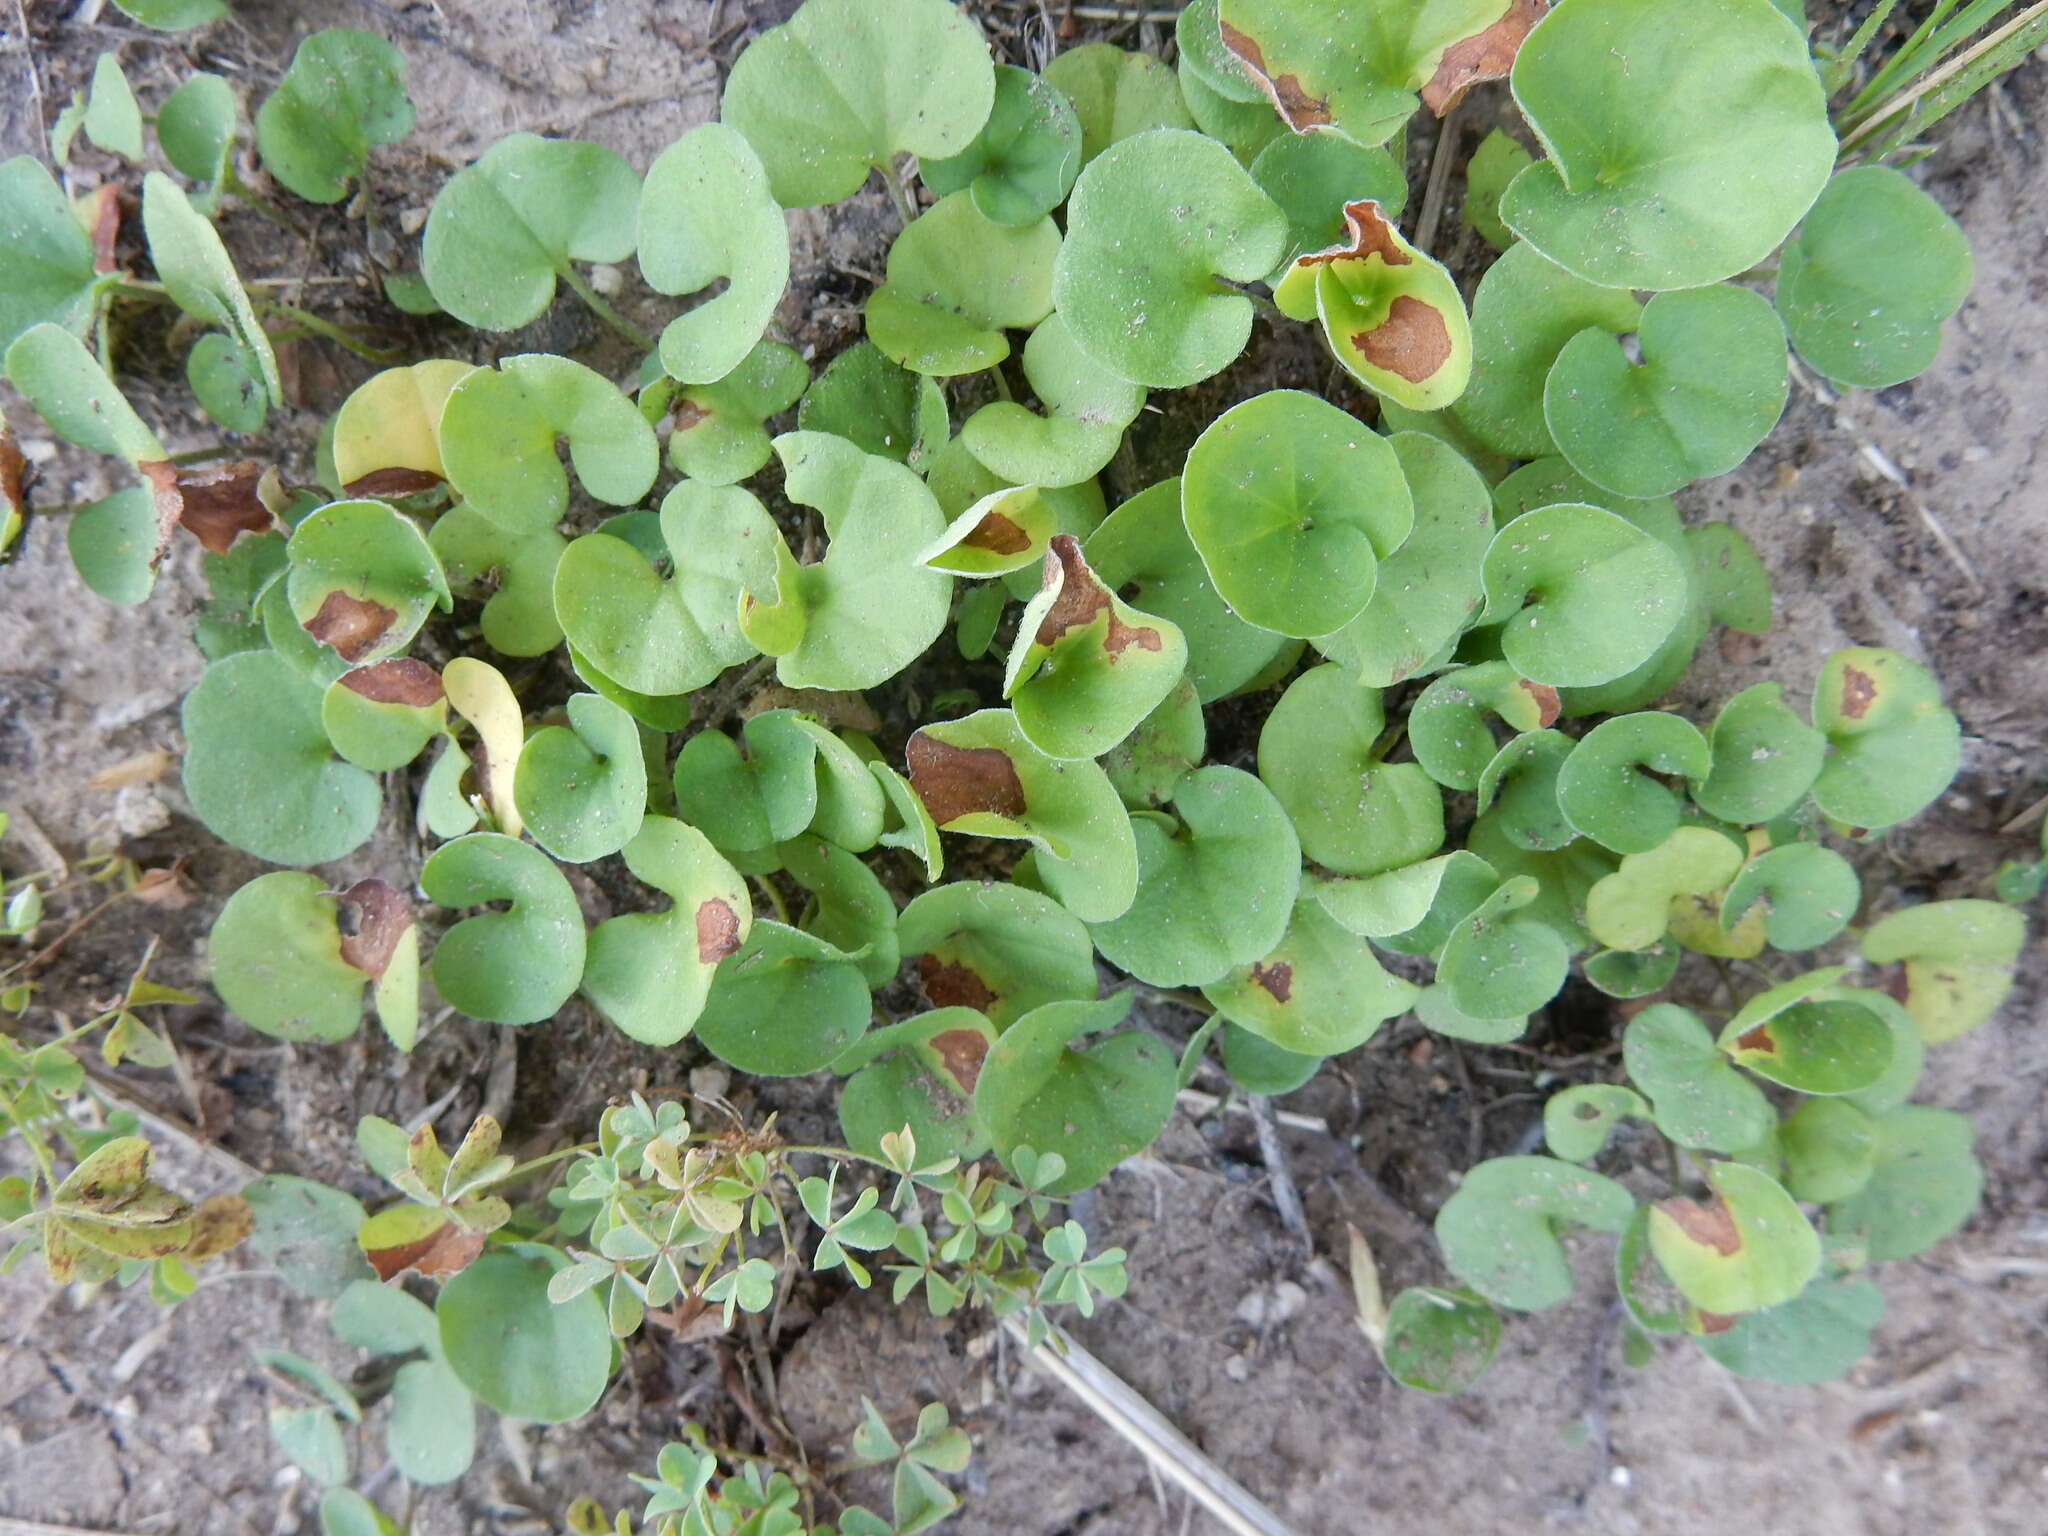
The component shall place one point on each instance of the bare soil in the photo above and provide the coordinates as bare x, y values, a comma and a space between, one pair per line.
1911, 518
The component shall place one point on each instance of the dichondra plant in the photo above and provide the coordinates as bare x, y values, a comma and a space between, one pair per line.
1450, 602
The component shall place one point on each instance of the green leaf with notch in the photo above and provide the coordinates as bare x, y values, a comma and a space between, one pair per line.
1683, 142
1815, 1337
1138, 276
1809, 894
1959, 958
1765, 758
582, 788
784, 1003
718, 434
1085, 410
362, 579
1023, 162
1924, 1187
1892, 746
512, 967
998, 949
1606, 788
843, 87
955, 282
503, 229
1499, 1229
1578, 1121
1116, 93
1319, 992
344, 92
513, 573
1747, 1248
706, 213
1632, 908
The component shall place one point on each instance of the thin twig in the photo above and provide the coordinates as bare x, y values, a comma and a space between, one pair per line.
2028, 817
1879, 116
1439, 180
1114, 1401
1286, 1198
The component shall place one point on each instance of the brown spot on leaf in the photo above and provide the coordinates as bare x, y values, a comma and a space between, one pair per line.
962, 1051
1547, 702
1486, 55
401, 680
218, 1225
1371, 234
1412, 342
1714, 1322
352, 625
1277, 979
372, 917
448, 1250
962, 781
1757, 1039
687, 414
718, 930
1081, 597
998, 534
212, 504
105, 227
953, 986
1711, 1225
1859, 690
392, 484
1291, 98
13, 472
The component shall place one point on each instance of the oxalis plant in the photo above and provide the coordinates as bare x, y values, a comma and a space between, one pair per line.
1450, 624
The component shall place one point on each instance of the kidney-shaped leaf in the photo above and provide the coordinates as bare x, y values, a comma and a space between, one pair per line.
998, 949
1683, 142
1892, 745
512, 967
1745, 1248
277, 956
1808, 893
1023, 162
1499, 1229
1094, 1106
345, 91
956, 281
845, 85
784, 1003
582, 787
921, 1075
1116, 93
1292, 504
650, 972
1605, 788
1698, 1098
1554, 574
259, 771
516, 1348
1876, 267
1086, 408
1320, 991
1813, 1045
1959, 958
382, 716
1814, 1337
718, 434
1154, 221
706, 213
362, 579
503, 229
1631, 908
1438, 1340
1924, 1186
1765, 758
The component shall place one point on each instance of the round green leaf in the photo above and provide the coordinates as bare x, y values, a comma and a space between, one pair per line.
1709, 388
1765, 758
784, 1003
259, 771
1319, 992
706, 213
274, 955
1447, 723
1524, 311
1318, 753
1023, 162
1498, 966
1749, 1247
1086, 668
919, 1074
1438, 1340
879, 406
845, 86
1631, 908
1427, 591
512, 967
748, 803
1698, 1097
498, 435
1499, 1229
1552, 574
1605, 787
1811, 1045
1086, 408
1137, 277
195, 127
503, 229
582, 788
1259, 1066
344, 92
980, 775
956, 281
1683, 142
1292, 504
1577, 1122
1116, 93
1214, 891
432, 1433
114, 545
1876, 267
1808, 892
1924, 1187
1518, 791
1892, 746
1816, 1336
1142, 551
650, 972
522, 1353
1830, 1148
47, 256
1094, 1107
